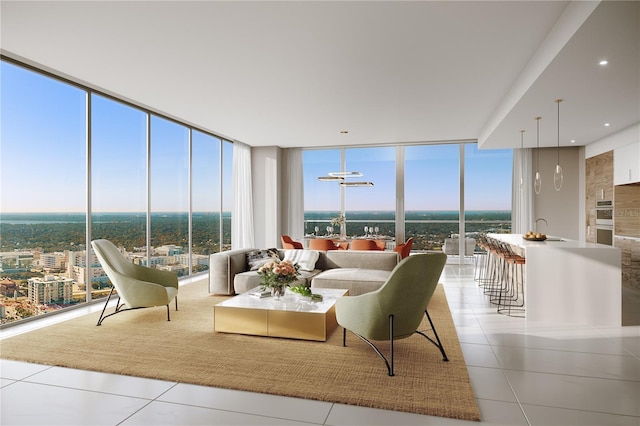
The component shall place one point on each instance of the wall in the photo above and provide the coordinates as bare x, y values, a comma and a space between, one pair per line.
624, 137
266, 178
562, 209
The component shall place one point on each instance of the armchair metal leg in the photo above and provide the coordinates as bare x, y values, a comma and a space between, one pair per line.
391, 344
120, 306
436, 342
105, 307
389, 363
374, 347
169, 316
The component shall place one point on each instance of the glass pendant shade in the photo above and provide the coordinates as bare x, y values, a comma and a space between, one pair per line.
521, 158
537, 183
557, 173
557, 177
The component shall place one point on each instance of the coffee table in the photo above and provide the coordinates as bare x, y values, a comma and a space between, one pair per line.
290, 316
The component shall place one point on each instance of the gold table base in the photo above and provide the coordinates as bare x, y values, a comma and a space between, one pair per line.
288, 317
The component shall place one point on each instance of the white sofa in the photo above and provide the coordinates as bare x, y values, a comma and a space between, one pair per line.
358, 271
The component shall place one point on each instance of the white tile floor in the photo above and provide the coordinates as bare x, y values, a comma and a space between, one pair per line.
523, 373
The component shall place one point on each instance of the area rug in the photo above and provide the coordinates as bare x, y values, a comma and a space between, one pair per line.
143, 343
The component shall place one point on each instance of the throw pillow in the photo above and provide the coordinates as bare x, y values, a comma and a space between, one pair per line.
306, 259
257, 258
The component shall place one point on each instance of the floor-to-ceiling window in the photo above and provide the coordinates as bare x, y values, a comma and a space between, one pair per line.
370, 207
487, 190
431, 195
207, 202
322, 198
118, 183
148, 179
227, 195
169, 195
42, 192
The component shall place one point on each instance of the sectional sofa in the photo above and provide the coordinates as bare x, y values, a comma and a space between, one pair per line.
230, 272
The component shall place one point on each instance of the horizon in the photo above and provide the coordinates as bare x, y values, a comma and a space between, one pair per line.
46, 113
226, 211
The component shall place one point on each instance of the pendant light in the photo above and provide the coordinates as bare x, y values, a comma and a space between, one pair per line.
557, 173
537, 184
521, 158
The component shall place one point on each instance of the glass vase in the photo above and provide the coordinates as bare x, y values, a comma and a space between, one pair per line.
277, 291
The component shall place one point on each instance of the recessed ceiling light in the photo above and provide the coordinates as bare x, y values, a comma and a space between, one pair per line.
573, 141
604, 62
607, 124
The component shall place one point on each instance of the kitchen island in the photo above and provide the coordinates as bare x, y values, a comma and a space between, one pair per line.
570, 281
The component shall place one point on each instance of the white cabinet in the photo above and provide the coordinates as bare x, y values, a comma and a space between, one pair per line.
626, 164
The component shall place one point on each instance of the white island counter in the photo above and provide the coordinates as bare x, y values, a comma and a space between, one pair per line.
570, 281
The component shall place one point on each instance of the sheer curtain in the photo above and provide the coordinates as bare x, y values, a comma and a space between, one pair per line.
522, 190
242, 212
295, 195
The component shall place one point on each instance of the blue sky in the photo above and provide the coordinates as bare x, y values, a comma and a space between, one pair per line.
43, 165
431, 178
43, 153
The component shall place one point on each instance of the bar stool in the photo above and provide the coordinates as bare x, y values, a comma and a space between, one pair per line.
511, 300
490, 280
481, 260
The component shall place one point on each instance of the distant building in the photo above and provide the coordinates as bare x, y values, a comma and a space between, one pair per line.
180, 270
168, 250
156, 261
79, 258
8, 287
79, 274
17, 260
77, 267
53, 261
50, 289
196, 259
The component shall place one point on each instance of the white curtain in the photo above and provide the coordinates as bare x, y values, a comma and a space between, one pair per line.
295, 194
242, 212
522, 190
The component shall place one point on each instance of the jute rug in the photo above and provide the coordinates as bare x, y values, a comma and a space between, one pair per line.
142, 343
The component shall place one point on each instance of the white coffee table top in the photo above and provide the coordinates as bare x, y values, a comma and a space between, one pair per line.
289, 302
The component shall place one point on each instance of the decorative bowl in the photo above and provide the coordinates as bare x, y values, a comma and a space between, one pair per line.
534, 238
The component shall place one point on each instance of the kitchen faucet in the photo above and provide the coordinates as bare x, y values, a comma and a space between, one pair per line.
535, 227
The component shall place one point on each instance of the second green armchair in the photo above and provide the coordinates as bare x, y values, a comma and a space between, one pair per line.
396, 309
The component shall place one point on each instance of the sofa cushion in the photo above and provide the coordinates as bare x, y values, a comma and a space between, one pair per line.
306, 259
257, 258
356, 280
365, 259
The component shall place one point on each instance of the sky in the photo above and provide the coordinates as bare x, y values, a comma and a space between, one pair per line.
43, 153
43, 161
431, 182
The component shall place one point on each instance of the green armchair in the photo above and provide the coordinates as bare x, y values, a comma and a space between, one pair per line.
395, 310
137, 286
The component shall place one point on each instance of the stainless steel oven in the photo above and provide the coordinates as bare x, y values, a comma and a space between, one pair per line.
604, 222
604, 212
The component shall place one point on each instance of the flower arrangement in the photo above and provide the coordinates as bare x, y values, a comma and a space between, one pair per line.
277, 275
338, 220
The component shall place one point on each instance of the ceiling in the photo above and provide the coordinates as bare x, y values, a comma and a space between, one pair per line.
298, 73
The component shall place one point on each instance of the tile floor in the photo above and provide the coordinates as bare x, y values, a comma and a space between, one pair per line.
523, 373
